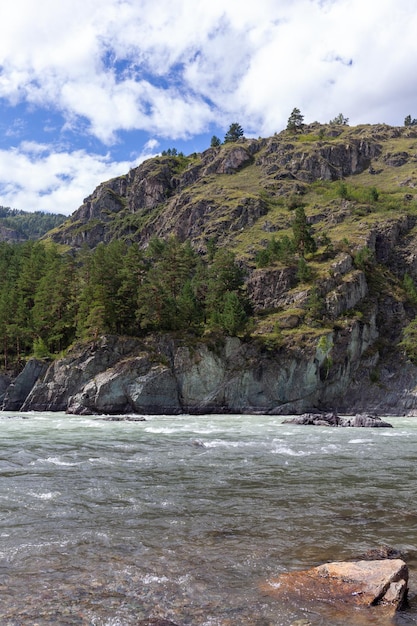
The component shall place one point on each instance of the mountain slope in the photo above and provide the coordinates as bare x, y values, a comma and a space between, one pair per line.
356, 188
324, 223
17, 226
251, 185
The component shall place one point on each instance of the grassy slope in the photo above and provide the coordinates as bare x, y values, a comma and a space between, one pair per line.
345, 216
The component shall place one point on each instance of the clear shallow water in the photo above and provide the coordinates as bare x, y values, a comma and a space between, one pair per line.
184, 517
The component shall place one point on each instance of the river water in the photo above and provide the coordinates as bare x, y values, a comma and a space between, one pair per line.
107, 523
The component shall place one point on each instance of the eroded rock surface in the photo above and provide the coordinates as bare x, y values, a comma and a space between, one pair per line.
346, 585
17, 392
161, 375
332, 419
121, 375
4, 384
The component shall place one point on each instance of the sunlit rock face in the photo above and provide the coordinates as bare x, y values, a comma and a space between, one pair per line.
378, 587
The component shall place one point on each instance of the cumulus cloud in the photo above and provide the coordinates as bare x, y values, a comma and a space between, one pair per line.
36, 178
177, 69
255, 59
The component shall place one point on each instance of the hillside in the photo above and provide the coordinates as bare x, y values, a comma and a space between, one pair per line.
322, 224
356, 186
240, 192
17, 226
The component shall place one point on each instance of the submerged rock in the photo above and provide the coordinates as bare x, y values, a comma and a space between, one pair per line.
382, 584
156, 622
123, 418
381, 552
362, 420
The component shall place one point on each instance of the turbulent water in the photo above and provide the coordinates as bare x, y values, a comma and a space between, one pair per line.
183, 518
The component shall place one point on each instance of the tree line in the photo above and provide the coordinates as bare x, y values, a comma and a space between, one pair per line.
48, 299
31, 225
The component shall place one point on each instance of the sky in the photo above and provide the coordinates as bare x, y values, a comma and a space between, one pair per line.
91, 88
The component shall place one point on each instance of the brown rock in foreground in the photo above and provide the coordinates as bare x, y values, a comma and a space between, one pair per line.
379, 583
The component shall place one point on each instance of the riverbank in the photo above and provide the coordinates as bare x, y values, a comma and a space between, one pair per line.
162, 375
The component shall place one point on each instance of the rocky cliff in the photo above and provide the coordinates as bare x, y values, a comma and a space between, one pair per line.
232, 187
123, 375
10, 235
330, 339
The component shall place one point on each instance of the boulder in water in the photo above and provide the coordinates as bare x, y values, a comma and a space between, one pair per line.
346, 585
365, 420
315, 419
361, 420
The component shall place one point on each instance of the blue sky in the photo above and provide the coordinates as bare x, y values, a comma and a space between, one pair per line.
90, 88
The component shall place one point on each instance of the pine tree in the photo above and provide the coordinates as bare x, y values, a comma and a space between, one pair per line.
234, 133
132, 274
295, 121
224, 277
161, 296
32, 265
409, 121
54, 302
304, 241
232, 316
102, 278
340, 120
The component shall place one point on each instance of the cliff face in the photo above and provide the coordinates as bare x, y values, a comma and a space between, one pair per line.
331, 341
10, 235
119, 376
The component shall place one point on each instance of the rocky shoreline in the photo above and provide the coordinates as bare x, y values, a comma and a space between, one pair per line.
129, 376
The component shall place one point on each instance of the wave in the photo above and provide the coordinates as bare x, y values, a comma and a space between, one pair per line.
56, 460
44, 495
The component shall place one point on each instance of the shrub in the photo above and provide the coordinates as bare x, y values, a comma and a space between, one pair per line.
315, 306
304, 273
364, 258
410, 288
409, 341
340, 120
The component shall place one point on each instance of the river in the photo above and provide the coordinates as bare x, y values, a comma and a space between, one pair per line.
106, 523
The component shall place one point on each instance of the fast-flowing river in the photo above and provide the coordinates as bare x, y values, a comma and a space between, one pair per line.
108, 523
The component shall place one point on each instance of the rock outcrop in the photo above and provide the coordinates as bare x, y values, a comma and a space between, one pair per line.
10, 235
283, 164
127, 376
17, 392
162, 375
378, 586
67, 377
5, 382
332, 419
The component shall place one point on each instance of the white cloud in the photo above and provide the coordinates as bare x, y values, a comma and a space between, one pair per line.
151, 146
35, 178
257, 60
173, 68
